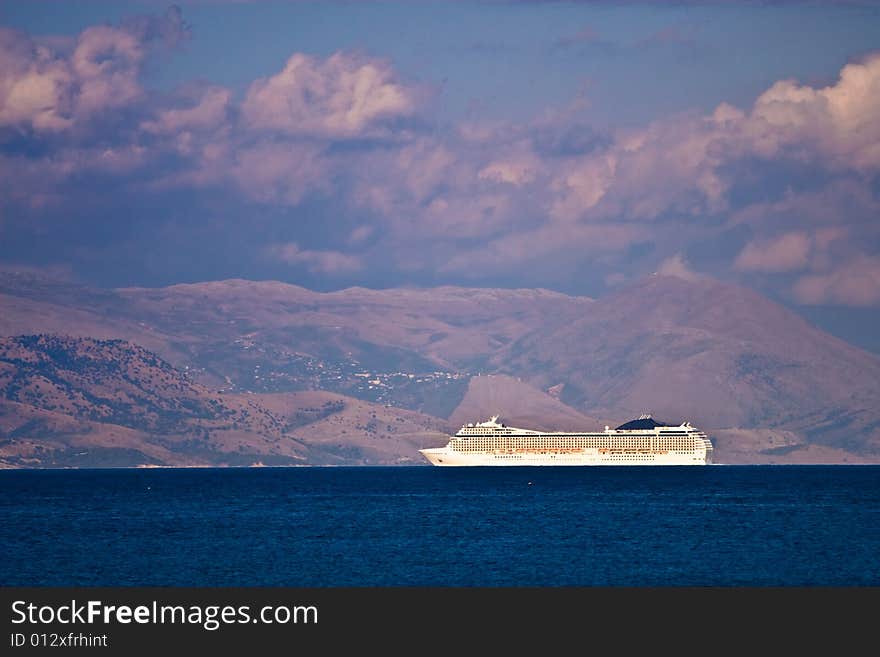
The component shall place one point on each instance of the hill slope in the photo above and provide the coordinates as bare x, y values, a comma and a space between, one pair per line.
68, 401
518, 404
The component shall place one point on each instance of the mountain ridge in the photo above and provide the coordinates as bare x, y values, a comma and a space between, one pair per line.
717, 354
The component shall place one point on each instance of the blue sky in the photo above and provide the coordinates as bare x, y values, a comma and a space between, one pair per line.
573, 146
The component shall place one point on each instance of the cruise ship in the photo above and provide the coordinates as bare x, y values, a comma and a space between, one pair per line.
644, 441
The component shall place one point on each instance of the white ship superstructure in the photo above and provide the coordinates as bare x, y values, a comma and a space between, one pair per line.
640, 442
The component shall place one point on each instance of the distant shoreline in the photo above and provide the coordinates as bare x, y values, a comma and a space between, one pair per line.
428, 466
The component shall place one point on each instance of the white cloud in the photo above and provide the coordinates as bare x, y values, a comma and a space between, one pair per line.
209, 111
841, 121
516, 169
677, 165
678, 267
788, 252
46, 92
35, 86
106, 65
339, 97
582, 185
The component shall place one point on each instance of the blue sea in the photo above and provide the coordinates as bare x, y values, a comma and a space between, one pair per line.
408, 526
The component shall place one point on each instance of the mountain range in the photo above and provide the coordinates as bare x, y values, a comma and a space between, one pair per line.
260, 372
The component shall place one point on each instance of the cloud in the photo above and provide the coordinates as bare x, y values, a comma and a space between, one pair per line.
839, 122
344, 96
275, 173
493, 195
361, 234
323, 262
855, 283
50, 91
549, 250
36, 88
789, 252
677, 266
208, 112
106, 65
423, 166
842, 200
198, 133
669, 167
276, 145
512, 171
791, 175
682, 164
582, 185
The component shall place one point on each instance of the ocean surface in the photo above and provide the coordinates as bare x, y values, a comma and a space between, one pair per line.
408, 526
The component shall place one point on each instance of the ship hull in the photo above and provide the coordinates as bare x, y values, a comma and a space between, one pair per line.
445, 457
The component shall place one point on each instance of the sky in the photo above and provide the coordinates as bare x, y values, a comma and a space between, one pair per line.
574, 146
